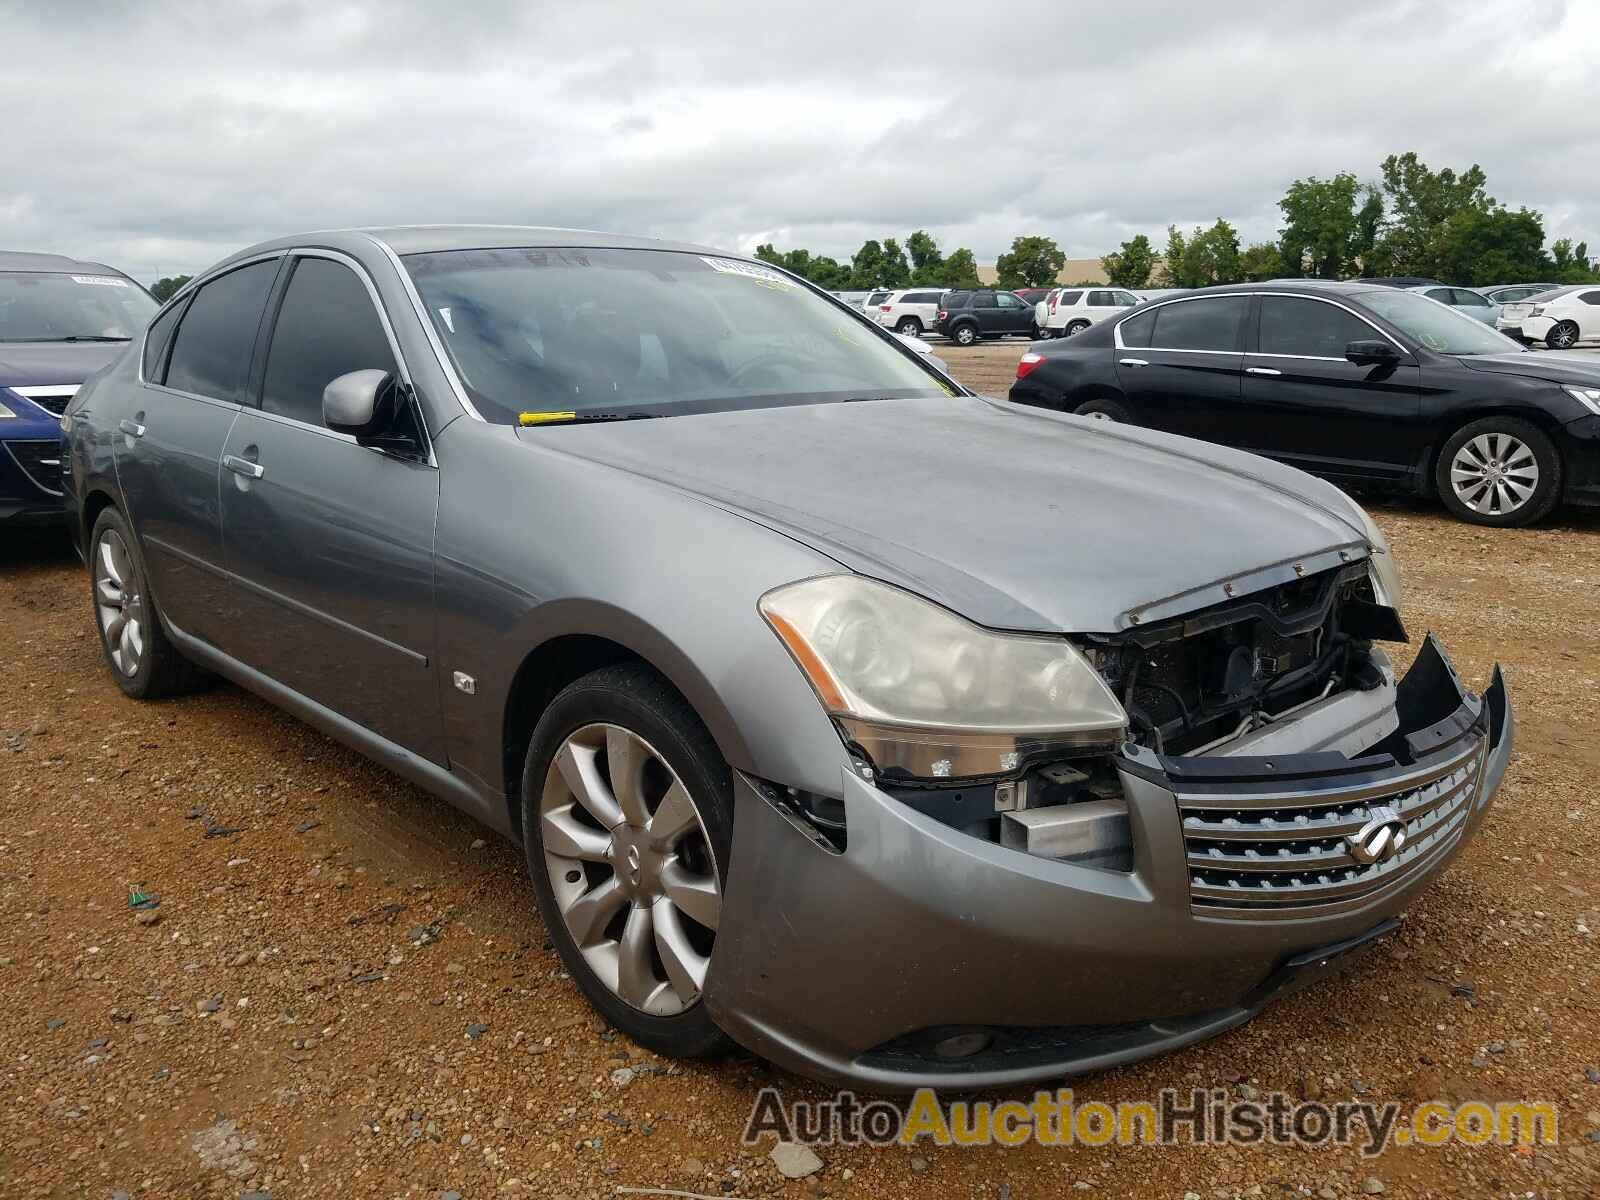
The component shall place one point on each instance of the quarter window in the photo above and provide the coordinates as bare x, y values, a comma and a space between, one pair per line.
211, 353
1590, 297
1070, 298
1212, 324
157, 341
1135, 331
1308, 328
326, 328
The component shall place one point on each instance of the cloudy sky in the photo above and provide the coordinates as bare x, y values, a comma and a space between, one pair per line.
163, 134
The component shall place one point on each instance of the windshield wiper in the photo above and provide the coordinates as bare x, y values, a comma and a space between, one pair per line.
529, 420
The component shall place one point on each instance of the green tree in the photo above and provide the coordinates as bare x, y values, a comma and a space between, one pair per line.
1420, 201
1327, 232
822, 271
1262, 261
1131, 263
1571, 264
927, 264
1474, 246
866, 265
167, 286
961, 269
896, 271
1031, 262
1172, 261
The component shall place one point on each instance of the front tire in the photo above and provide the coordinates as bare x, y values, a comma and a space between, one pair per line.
627, 810
1562, 336
142, 658
1500, 472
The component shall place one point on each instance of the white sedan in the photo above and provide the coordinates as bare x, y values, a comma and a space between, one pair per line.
1560, 319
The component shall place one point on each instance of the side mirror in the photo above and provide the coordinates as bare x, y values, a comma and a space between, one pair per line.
1371, 354
361, 403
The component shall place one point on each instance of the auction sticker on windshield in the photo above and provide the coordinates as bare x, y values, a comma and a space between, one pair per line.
749, 270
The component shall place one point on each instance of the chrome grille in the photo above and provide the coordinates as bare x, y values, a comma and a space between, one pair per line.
1263, 854
40, 462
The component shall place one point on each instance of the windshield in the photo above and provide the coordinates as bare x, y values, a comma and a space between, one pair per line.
1436, 326
548, 332
40, 307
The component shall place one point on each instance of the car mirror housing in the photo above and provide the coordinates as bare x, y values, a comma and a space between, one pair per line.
1371, 353
359, 403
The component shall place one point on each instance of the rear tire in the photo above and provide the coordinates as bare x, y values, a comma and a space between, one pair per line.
1562, 336
1074, 328
1499, 472
1105, 410
675, 756
133, 636
910, 327
964, 335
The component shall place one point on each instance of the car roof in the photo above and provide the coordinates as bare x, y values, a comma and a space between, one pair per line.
27, 260
425, 239
1308, 287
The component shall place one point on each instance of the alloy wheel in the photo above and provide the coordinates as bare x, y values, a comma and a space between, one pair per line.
1563, 337
631, 868
118, 604
1494, 474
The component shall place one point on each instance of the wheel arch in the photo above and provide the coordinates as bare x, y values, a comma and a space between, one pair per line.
561, 658
1530, 414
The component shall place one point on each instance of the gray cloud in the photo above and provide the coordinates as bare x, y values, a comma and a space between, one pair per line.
162, 136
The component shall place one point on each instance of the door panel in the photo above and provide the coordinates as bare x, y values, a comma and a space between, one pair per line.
168, 453
1308, 405
1187, 378
331, 549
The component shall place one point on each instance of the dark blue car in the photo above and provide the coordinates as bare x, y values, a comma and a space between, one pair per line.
61, 320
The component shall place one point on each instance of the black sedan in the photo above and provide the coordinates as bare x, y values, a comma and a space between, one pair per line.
1363, 384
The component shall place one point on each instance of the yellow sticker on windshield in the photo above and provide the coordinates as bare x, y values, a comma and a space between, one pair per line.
542, 418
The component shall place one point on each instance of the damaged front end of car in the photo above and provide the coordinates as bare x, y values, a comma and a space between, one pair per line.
1271, 797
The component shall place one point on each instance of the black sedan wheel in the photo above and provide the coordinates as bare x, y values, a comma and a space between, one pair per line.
628, 823
1105, 410
1499, 471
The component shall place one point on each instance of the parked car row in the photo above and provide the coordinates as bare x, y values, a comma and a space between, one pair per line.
806, 678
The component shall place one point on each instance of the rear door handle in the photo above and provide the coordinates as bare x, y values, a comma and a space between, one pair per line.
1262, 371
129, 427
243, 466
1134, 362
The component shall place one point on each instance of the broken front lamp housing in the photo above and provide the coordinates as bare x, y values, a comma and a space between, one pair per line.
928, 695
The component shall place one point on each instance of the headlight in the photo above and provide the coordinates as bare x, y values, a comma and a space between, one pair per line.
928, 694
1381, 566
1586, 396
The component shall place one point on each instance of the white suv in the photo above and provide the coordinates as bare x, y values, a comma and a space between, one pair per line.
911, 312
1067, 311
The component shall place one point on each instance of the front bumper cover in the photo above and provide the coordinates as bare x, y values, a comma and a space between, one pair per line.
853, 966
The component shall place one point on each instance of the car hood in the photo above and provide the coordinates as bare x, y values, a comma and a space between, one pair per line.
1557, 368
25, 363
1014, 517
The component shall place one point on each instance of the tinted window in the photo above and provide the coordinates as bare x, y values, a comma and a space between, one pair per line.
1590, 297
1308, 328
1469, 299
1200, 324
957, 299
211, 354
1440, 294
1136, 330
326, 327
1101, 299
984, 300
157, 341
922, 298
1127, 299
1071, 297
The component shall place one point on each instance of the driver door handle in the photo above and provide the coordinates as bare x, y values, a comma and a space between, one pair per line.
1134, 362
129, 427
1262, 371
243, 466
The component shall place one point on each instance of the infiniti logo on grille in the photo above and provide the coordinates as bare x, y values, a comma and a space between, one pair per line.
1380, 839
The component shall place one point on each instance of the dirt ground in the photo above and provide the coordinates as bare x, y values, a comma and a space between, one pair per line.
345, 989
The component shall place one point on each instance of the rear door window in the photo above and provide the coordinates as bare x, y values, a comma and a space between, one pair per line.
1211, 324
1305, 328
1468, 299
985, 300
326, 328
211, 352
